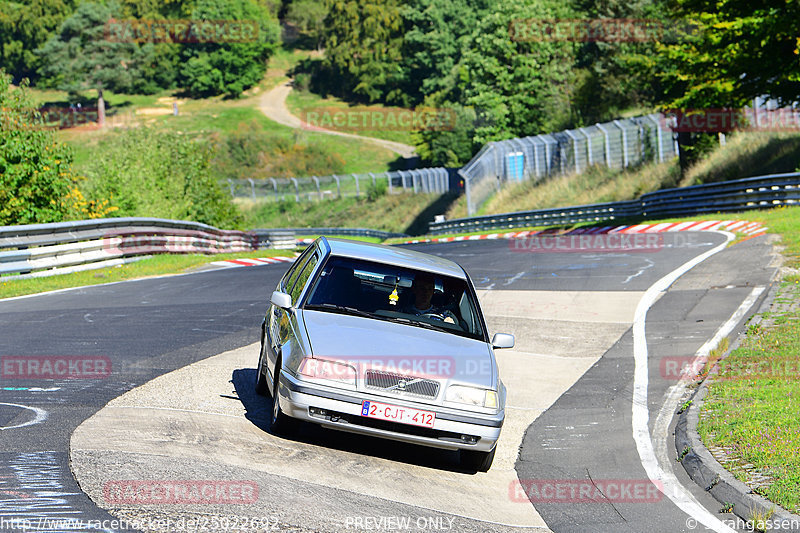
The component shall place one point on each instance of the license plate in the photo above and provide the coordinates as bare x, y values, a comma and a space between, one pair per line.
395, 413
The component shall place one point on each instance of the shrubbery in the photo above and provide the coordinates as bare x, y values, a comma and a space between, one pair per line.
154, 173
37, 183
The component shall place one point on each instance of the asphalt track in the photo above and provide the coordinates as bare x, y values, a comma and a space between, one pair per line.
151, 327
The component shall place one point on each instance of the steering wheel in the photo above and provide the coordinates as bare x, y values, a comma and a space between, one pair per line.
439, 316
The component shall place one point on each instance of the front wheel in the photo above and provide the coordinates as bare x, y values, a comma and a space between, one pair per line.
477, 461
281, 423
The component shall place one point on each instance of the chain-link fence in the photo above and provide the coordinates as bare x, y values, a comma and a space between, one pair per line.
617, 144
426, 180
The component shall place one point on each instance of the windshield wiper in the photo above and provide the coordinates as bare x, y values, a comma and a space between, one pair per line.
341, 309
425, 325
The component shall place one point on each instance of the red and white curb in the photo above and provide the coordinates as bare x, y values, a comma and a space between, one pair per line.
751, 229
255, 261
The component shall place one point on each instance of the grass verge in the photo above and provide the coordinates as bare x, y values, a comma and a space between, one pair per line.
158, 265
759, 443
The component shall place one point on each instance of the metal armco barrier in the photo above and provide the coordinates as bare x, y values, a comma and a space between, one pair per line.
45, 249
737, 195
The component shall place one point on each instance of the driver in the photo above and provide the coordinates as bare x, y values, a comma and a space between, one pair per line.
422, 288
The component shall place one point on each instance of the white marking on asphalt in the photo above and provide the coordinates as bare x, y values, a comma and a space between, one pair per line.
650, 264
640, 412
514, 278
87, 319
41, 416
661, 426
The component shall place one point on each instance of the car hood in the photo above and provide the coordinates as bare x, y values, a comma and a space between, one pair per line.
401, 348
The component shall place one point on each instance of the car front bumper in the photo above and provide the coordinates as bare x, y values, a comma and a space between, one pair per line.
342, 411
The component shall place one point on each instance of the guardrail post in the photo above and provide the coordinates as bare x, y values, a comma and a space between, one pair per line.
414, 180
230, 183
338, 187
389, 179
470, 206
588, 145
607, 150
252, 188
658, 137
358, 189
371, 175
296, 190
574, 149
275, 187
624, 144
316, 182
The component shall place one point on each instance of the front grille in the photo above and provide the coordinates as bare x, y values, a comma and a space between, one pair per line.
400, 384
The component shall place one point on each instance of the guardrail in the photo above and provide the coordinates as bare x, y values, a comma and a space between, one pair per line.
280, 237
737, 195
36, 250
44, 249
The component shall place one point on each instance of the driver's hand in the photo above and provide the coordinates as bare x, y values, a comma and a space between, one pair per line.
449, 320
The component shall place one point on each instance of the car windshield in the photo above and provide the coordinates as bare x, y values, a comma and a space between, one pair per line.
386, 292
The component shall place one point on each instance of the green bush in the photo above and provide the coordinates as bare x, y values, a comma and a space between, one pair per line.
36, 179
148, 172
376, 190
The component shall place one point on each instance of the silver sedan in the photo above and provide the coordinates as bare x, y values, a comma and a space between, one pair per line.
383, 341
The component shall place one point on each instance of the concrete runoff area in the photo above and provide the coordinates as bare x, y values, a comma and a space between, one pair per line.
204, 420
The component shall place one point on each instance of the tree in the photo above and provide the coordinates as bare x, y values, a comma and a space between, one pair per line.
36, 178
24, 27
436, 32
309, 17
739, 50
524, 85
363, 42
212, 68
79, 57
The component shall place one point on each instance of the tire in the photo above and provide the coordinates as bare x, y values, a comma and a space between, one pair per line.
477, 461
280, 423
262, 387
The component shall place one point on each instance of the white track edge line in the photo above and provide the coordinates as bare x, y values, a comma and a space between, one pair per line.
639, 408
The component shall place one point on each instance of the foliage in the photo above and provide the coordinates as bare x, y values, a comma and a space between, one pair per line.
229, 67
739, 51
36, 179
150, 172
376, 190
309, 18
453, 147
436, 32
363, 42
525, 86
251, 152
24, 27
78, 56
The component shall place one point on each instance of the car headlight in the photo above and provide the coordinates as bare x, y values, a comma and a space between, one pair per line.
472, 396
327, 370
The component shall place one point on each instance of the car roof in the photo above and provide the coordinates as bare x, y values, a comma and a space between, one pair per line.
393, 255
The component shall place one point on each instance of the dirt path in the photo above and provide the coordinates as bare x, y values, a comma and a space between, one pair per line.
273, 105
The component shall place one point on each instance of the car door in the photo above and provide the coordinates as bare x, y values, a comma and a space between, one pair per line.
283, 326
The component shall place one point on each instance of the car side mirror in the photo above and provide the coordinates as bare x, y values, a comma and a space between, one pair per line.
281, 299
503, 340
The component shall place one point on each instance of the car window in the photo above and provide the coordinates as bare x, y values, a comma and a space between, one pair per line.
302, 278
291, 276
387, 292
